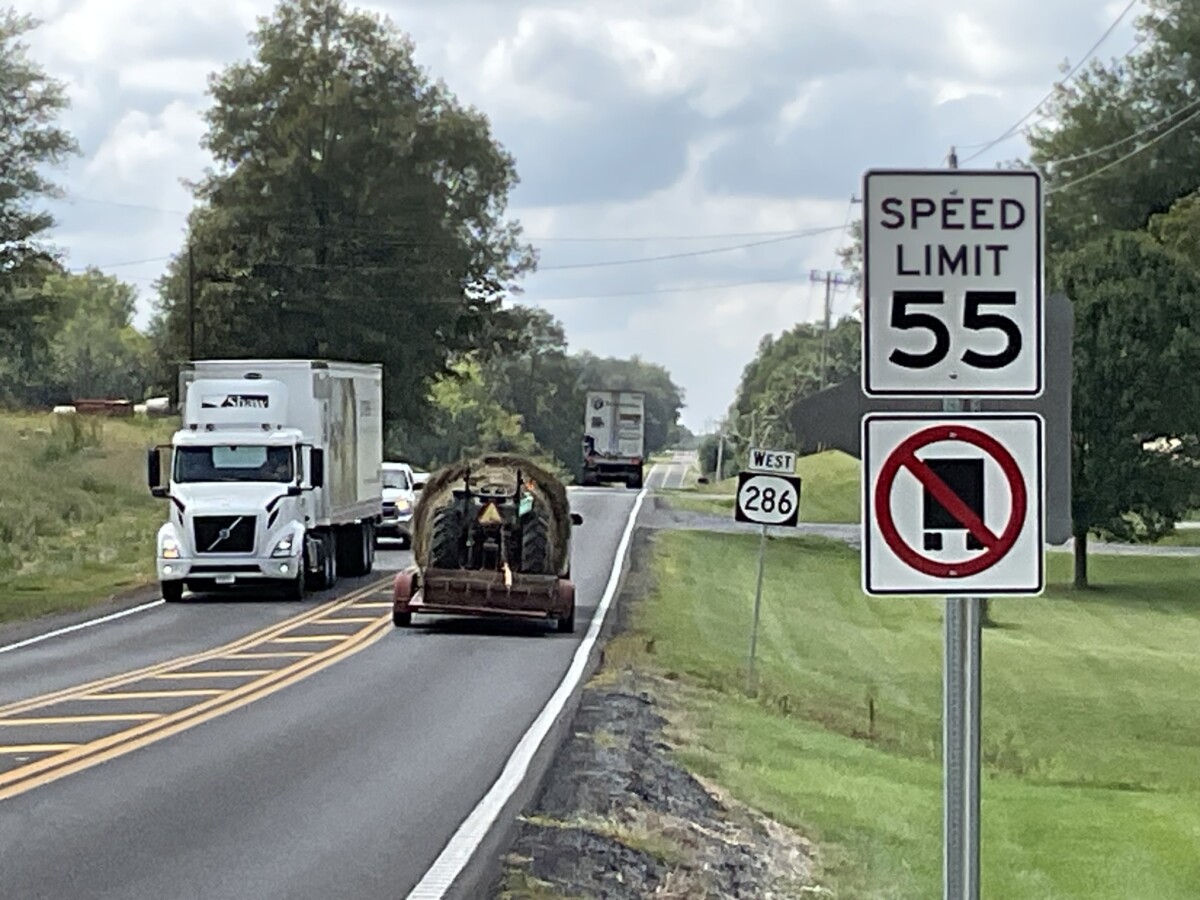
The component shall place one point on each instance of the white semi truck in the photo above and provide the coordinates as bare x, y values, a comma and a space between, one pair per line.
614, 437
274, 478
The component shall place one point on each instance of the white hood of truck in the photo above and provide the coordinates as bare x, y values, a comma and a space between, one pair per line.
241, 498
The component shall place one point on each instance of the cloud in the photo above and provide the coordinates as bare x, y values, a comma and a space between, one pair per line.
638, 129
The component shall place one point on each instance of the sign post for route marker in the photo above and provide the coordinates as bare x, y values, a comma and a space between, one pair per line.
768, 494
953, 307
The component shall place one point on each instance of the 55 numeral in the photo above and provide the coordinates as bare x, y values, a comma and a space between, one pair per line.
904, 318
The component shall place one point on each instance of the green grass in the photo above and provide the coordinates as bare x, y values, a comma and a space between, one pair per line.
1186, 537
829, 489
1091, 723
77, 523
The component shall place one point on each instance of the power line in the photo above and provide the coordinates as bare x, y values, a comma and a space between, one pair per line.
583, 239
368, 269
1116, 162
693, 253
691, 289
1125, 140
1014, 128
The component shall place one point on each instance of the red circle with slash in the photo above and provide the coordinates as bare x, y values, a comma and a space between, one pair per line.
996, 546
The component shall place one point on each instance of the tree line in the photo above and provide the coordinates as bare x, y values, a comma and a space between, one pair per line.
1118, 146
355, 209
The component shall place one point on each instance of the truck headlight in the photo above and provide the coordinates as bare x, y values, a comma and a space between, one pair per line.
404, 506
169, 549
284, 547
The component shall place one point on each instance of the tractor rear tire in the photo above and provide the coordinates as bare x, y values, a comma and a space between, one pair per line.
535, 544
445, 545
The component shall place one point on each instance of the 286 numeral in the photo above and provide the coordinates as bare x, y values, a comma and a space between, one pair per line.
771, 501
974, 319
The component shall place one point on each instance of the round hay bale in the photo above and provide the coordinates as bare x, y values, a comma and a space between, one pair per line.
497, 470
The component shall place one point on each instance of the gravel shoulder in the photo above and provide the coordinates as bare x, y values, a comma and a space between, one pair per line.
619, 818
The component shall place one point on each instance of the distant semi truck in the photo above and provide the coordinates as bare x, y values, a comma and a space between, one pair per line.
614, 437
274, 478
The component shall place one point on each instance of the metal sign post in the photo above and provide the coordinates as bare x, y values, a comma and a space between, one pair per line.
768, 494
751, 681
953, 308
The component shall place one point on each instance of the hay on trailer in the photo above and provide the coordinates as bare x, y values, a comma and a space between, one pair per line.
499, 469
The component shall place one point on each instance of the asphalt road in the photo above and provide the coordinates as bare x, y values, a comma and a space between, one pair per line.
341, 781
672, 473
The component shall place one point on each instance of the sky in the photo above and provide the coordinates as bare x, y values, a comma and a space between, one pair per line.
686, 167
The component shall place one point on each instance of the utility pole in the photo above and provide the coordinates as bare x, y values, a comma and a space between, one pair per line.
191, 302
831, 279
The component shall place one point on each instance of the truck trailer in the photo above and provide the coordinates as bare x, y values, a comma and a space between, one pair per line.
274, 477
491, 538
614, 437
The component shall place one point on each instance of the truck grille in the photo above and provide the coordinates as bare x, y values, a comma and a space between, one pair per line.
229, 534
389, 509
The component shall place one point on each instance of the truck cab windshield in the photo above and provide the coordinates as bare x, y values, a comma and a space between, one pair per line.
396, 481
241, 463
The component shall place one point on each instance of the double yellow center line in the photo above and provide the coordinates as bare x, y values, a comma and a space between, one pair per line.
267, 661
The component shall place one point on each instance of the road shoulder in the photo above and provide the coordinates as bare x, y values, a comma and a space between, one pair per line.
23, 629
619, 817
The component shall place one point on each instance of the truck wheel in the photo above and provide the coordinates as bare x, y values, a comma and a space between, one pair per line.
535, 545
296, 587
352, 555
172, 591
445, 547
329, 569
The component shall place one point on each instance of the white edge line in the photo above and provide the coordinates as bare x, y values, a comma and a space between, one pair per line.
37, 639
470, 834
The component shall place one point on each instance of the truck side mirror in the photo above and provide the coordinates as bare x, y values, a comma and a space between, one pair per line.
294, 490
316, 477
154, 473
576, 519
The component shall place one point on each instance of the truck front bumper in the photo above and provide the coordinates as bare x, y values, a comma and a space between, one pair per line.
228, 572
398, 525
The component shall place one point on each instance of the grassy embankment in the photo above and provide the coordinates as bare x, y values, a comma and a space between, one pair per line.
829, 487
1091, 712
77, 523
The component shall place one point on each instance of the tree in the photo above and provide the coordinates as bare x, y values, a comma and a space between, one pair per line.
30, 141
539, 381
97, 352
1137, 349
1120, 141
355, 211
785, 370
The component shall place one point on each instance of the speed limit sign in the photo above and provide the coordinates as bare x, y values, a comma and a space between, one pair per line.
952, 283
768, 499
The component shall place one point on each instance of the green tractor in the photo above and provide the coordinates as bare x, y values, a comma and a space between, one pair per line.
491, 538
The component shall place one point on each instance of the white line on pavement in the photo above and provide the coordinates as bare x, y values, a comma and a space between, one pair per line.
462, 846
80, 626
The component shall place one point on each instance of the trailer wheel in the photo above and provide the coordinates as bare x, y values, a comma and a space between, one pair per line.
445, 546
535, 544
566, 624
402, 589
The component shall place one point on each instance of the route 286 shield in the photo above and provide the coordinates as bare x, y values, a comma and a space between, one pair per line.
953, 504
